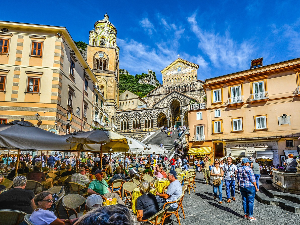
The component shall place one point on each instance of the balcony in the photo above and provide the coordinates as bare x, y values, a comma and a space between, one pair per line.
259, 96
199, 137
235, 100
197, 106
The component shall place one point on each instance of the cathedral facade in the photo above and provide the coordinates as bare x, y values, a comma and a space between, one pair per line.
168, 104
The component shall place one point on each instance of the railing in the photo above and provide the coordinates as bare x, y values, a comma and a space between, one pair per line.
234, 100
259, 96
199, 137
197, 106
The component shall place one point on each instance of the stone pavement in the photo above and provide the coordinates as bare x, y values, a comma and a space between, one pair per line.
201, 208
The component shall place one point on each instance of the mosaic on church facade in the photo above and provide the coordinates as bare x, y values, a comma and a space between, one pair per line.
168, 104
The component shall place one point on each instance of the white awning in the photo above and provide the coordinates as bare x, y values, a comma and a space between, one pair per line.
264, 154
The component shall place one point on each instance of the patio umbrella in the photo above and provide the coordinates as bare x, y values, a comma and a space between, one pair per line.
89, 137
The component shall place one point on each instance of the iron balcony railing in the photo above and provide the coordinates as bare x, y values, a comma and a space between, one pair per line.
197, 106
259, 96
234, 100
199, 137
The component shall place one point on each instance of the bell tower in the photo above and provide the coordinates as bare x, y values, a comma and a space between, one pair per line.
103, 59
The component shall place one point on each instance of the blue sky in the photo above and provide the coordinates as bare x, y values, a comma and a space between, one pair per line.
220, 36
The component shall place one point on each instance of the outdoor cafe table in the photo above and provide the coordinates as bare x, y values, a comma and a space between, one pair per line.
136, 193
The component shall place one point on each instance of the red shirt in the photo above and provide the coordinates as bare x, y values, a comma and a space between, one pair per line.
172, 161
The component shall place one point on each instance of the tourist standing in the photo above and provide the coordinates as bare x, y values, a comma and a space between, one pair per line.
256, 171
247, 184
217, 177
291, 164
206, 171
230, 172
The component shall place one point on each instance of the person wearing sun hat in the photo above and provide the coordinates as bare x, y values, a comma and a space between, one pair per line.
248, 187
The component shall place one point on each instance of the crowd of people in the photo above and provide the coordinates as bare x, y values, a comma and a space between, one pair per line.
97, 175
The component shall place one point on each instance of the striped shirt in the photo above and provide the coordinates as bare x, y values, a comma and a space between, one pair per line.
245, 176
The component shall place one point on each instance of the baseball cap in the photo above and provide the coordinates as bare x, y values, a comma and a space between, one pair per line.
173, 172
245, 160
93, 200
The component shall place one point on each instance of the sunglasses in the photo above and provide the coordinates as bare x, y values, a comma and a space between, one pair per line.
48, 200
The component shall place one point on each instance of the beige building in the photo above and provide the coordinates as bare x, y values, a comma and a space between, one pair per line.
250, 113
44, 79
129, 101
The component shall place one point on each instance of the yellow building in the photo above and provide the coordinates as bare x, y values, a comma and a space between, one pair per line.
250, 113
44, 79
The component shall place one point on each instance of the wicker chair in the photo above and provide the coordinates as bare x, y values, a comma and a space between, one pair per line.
128, 188
72, 202
116, 186
77, 188
158, 218
27, 219
190, 182
52, 175
7, 183
11, 217
137, 182
169, 213
35, 186
148, 178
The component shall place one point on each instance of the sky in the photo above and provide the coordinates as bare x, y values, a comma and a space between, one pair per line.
221, 36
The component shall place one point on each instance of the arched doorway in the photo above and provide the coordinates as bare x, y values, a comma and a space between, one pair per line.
162, 120
175, 113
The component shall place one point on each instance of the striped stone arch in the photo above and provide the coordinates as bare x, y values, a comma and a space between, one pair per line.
135, 115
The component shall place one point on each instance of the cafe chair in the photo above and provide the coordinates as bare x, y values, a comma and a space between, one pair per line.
11, 217
73, 202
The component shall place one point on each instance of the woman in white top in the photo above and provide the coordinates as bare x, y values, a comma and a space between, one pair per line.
216, 173
43, 216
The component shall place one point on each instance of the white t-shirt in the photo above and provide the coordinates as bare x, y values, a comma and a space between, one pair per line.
42, 217
216, 171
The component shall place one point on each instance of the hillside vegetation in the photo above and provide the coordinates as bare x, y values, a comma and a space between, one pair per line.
131, 83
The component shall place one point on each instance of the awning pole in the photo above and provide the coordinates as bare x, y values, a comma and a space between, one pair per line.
101, 156
124, 163
17, 164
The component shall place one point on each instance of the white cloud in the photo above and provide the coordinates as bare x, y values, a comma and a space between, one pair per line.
137, 57
147, 25
222, 50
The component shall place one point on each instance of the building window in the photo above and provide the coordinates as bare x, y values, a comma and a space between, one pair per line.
258, 90
97, 98
217, 126
199, 115
261, 122
36, 49
237, 124
218, 113
289, 143
97, 116
70, 98
3, 121
100, 61
33, 85
199, 133
85, 110
86, 84
4, 46
216, 95
72, 68
235, 94
2, 83
102, 103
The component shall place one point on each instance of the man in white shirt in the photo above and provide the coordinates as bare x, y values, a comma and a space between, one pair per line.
229, 177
